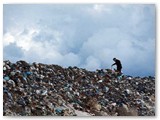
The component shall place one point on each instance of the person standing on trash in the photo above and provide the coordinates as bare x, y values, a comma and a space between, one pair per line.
118, 64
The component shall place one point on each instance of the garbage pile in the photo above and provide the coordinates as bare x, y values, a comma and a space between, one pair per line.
49, 90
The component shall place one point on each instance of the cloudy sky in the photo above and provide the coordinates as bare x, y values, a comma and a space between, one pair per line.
83, 35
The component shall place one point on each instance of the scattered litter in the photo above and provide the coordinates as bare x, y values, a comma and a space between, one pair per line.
49, 90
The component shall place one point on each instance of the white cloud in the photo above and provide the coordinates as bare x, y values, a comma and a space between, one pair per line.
8, 39
99, 8
87, 36
92, 63
70, 59
13, 52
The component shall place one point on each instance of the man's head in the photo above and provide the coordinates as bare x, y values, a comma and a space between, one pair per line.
114, 59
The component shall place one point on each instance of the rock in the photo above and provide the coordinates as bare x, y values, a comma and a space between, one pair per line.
81, 113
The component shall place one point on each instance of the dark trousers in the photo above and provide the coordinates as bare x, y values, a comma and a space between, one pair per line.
119, 69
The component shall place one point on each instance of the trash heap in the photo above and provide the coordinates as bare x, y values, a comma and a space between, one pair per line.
49, 90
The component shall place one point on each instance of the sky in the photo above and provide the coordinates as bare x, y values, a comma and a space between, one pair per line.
85, 35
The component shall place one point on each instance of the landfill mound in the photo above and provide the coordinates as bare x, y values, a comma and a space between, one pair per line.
49, 90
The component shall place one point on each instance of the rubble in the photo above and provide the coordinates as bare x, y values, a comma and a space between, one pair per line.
49, 90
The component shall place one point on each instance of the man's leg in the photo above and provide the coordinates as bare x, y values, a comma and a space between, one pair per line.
119, 70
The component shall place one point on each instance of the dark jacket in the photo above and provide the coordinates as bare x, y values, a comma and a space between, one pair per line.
118, 63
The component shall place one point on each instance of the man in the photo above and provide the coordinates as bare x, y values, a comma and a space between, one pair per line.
118, 64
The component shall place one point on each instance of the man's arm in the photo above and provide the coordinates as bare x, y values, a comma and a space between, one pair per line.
113, 64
